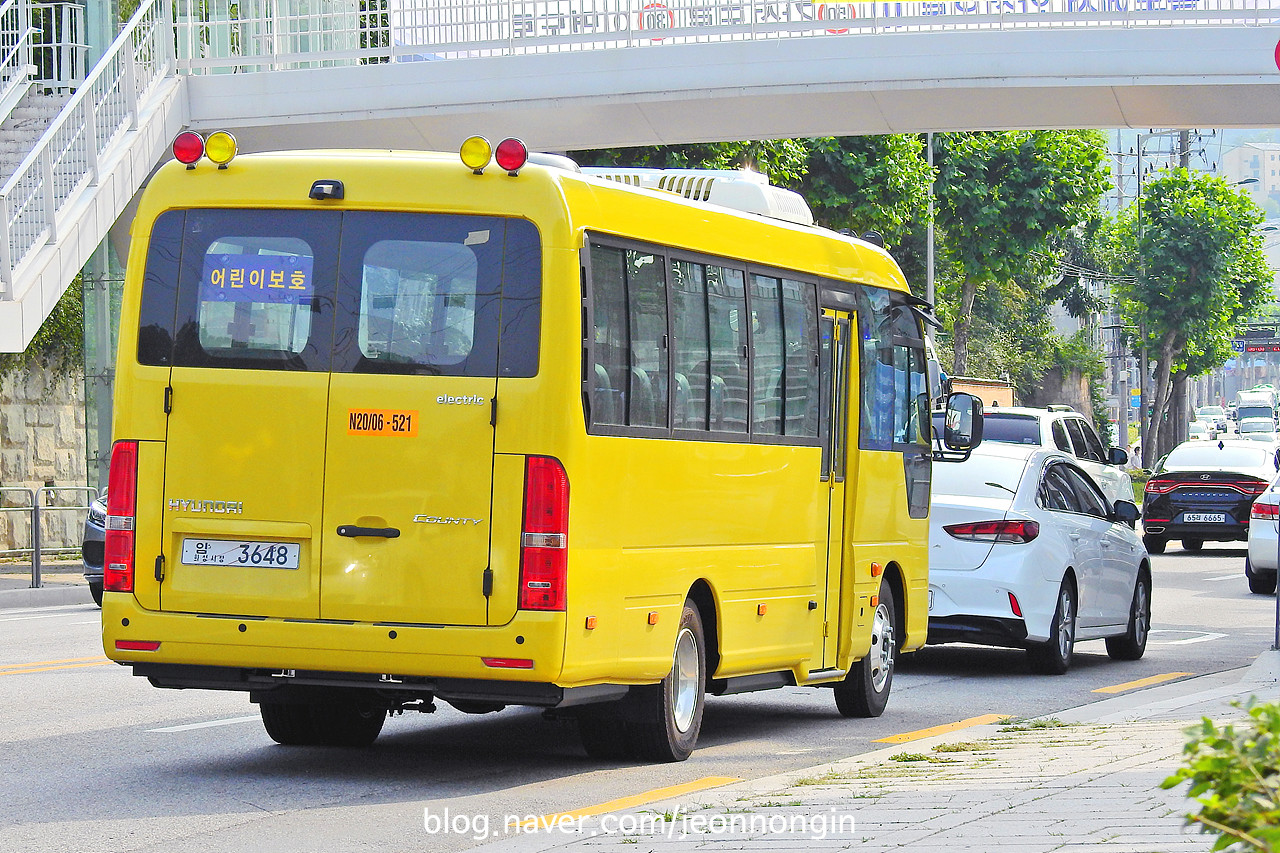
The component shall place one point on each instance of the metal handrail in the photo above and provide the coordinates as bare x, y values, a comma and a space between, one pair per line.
271, 35
15, 66
89, 129
33, 506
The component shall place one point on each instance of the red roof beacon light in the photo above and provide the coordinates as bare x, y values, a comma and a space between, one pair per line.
188, 147
511, 155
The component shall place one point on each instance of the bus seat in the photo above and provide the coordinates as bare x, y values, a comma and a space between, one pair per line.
604, 398
680, 404
641, 402
716, 416
737, 397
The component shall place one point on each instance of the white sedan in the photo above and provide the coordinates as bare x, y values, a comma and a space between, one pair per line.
1025, 552
1264, 518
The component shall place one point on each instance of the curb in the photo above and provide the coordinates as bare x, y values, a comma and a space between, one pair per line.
1141, 706
45, 596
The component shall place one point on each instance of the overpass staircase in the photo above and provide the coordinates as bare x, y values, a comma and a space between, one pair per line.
70, 164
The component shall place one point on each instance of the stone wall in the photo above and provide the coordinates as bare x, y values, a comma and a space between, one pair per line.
42, 442
1071, 390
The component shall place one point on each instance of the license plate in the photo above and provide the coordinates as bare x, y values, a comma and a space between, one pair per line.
227, 552
1204, 517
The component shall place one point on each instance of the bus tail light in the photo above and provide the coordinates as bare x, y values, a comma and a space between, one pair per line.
122, 501
544, 541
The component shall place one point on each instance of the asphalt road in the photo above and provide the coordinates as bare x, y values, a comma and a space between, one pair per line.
95, 759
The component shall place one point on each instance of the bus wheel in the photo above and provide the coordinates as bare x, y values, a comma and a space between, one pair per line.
289, 723
603, 737
347, 723
669, 713
865, 690
321, 724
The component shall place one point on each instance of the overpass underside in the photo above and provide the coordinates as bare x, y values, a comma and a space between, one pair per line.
821, 86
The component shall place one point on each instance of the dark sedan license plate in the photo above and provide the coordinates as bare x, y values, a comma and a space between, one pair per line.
1204, 517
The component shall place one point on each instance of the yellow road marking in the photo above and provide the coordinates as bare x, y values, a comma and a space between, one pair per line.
48, 665
1142, 682
631, 802
943, 729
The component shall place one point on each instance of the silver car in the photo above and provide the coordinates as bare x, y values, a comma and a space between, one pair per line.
91, 549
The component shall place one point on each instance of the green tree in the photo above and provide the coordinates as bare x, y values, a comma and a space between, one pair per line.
1001, 198
852, 184
1197, 268
782, 160
872, 183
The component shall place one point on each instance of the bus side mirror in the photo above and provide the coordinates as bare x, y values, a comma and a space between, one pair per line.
962, 423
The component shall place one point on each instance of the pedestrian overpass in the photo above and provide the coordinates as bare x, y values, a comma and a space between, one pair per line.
571, 74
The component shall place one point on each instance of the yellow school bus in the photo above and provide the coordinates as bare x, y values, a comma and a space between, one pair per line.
398, 427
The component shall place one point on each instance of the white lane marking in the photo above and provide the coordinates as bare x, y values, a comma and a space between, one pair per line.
1201, 637
208, 725
68, 609
37, 616
1231, 577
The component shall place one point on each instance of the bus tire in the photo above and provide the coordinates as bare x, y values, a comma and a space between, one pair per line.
668, 715
347, 723
288, 723
604, 737
343, 723
864, 692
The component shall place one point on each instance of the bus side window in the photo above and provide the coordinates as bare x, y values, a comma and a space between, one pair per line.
800, 321
609, 335
766, 355
727, 324
690, 351
647, 312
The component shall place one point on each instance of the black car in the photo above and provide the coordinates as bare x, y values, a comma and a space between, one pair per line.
95, 526
1203, 491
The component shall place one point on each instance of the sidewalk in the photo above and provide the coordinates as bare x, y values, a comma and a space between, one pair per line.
62, 582
1086, 780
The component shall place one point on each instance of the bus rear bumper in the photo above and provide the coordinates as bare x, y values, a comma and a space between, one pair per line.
299, 685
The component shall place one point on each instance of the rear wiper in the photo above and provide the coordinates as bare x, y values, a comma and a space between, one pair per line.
999, 486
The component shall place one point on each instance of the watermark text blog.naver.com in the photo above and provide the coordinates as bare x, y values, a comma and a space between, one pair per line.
676, 824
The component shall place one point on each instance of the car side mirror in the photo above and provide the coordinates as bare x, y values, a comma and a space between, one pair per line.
962, 425
1117, 456
1126, 511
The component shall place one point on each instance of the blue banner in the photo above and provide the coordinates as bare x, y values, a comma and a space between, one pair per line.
257, 278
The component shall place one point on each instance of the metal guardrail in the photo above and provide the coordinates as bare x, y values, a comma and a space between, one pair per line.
217, 36
36, 511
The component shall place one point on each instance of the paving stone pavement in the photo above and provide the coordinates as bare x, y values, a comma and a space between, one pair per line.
1063, 785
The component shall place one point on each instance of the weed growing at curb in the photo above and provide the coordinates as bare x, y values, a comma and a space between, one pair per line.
963, 746
1019, 725
920, 756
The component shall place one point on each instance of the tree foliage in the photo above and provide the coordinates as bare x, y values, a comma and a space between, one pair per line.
1234, 773
59, 344
1197, 269
782, 160
1001, 198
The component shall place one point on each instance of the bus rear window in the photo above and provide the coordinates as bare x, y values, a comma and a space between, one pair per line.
350, 292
